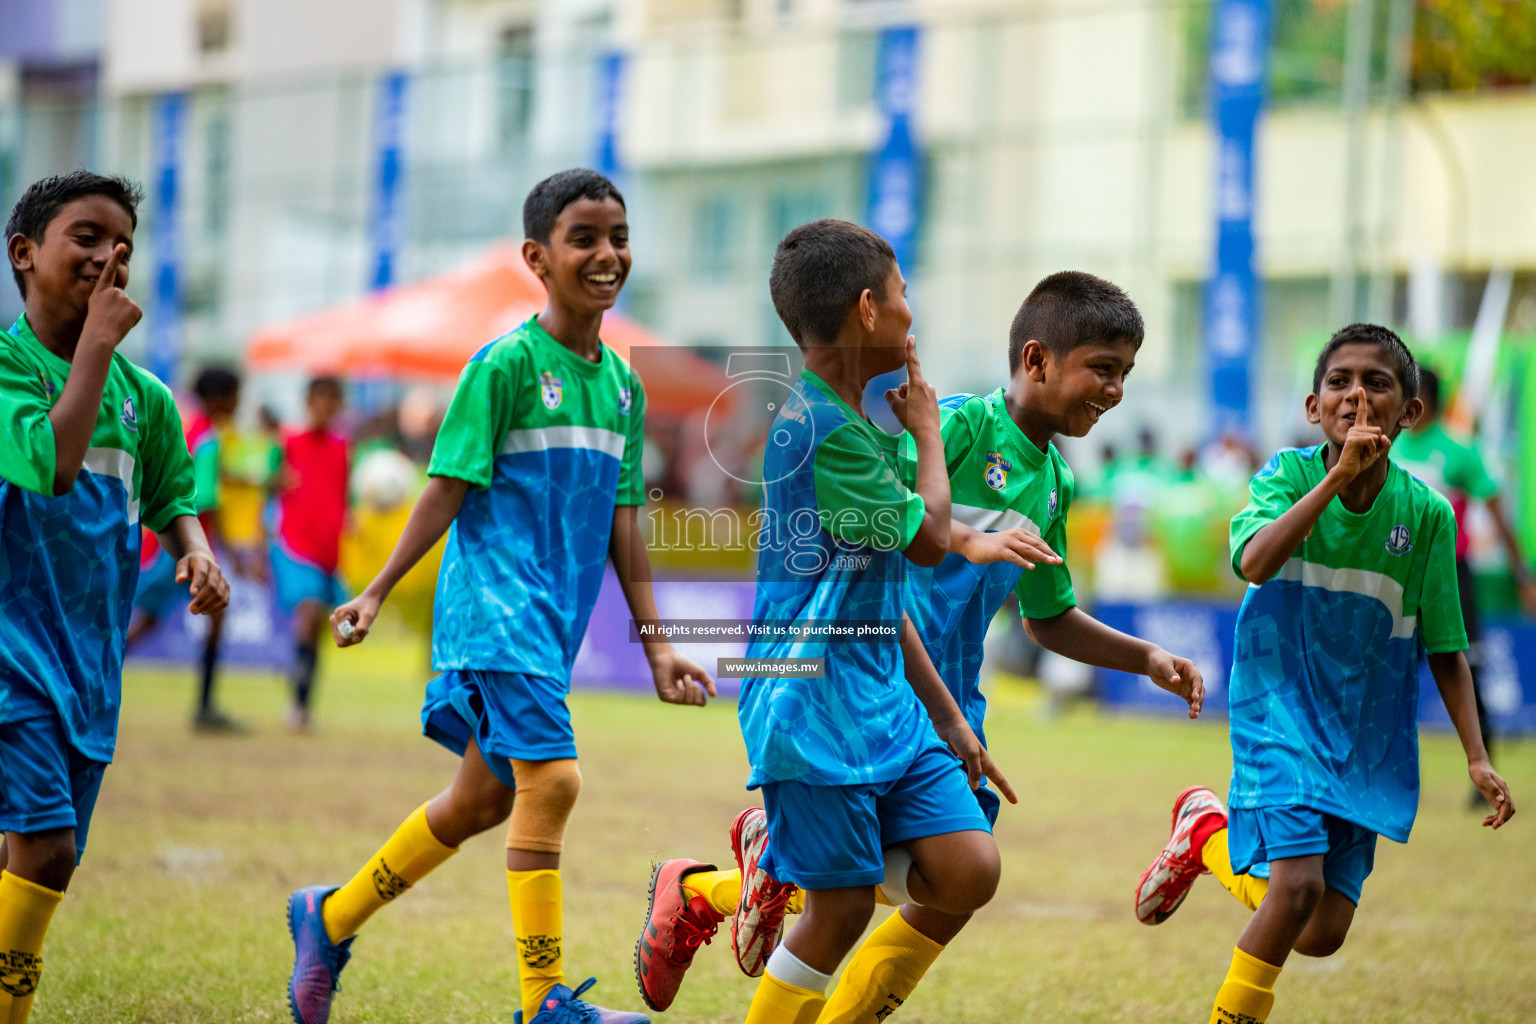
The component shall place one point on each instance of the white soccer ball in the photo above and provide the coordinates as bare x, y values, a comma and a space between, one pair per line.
384, 480
996, 478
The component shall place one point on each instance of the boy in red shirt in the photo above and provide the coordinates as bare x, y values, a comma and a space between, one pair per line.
311, 511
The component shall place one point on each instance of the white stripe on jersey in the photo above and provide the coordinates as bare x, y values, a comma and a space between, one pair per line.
117, 463
1353, 581
990, 519
539, 439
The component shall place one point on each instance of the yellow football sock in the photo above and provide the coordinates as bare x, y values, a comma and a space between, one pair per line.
721, 888
1248, 993
25, 910
1248, 889
777, 1002
401, 862
882, 974
536, 919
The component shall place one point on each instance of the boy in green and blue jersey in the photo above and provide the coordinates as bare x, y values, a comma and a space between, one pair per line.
1350, 563
1071, 346
535, 476
92, 447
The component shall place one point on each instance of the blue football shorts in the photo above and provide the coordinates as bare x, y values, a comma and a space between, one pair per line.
828, 837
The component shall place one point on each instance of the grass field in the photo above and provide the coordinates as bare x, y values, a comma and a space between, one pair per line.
177, 911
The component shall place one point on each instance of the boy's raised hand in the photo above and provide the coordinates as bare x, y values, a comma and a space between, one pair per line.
1364, 443
680, 681
111, 314
1178, 675
358, 614
207, 585
1495, 790
915, 403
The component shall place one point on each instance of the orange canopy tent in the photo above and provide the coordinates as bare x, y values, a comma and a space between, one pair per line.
429, 330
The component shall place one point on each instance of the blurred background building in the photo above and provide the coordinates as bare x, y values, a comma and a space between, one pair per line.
299, 153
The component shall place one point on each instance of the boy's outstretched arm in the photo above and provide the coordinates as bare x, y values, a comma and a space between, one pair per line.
110, 315
1016, 545
948, 721
1075, 634
434, 513
184, 540
916, 406
678, 679
1454, 679
1268, 549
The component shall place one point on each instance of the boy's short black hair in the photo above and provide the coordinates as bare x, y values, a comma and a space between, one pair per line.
819, 271
546, 199
1070, 309
44, 198
325, 382
214, 383
1390, 345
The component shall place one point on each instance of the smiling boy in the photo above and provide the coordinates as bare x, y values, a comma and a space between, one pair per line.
536, 476
91, 446
1071, 347
1350, 564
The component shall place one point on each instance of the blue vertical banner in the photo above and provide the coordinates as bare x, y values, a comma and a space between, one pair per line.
610, 99
386, 220
895, 171
1239, 51
170, 127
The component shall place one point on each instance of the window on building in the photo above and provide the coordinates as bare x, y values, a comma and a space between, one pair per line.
717, 238
856, 55
788, 210
215, 24
514, 84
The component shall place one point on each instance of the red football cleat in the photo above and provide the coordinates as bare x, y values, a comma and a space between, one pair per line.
1197, 813
758, 924
678, 921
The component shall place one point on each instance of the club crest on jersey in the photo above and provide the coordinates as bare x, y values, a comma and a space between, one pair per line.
42, 378
626, 399
551, 390
1399, 542
130, 417
1050, 505
997, 471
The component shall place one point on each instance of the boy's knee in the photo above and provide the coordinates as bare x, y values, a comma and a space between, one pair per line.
966, 883
44, 858
1296, 895
546, 795
1324, 943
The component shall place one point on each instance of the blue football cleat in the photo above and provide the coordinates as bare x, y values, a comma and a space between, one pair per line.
562, 1006
317, 961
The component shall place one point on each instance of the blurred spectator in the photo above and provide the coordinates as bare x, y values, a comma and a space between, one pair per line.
1456, 469
159, 594
1230, 461
312, 510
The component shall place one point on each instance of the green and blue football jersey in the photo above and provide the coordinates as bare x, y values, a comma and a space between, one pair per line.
1324, 687
550, 444
836, 519
69, 564
998, 480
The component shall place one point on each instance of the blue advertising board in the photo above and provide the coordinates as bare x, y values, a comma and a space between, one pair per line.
1204, 631
610, 96
386, 220
1239, 48
895, 169
165, 327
